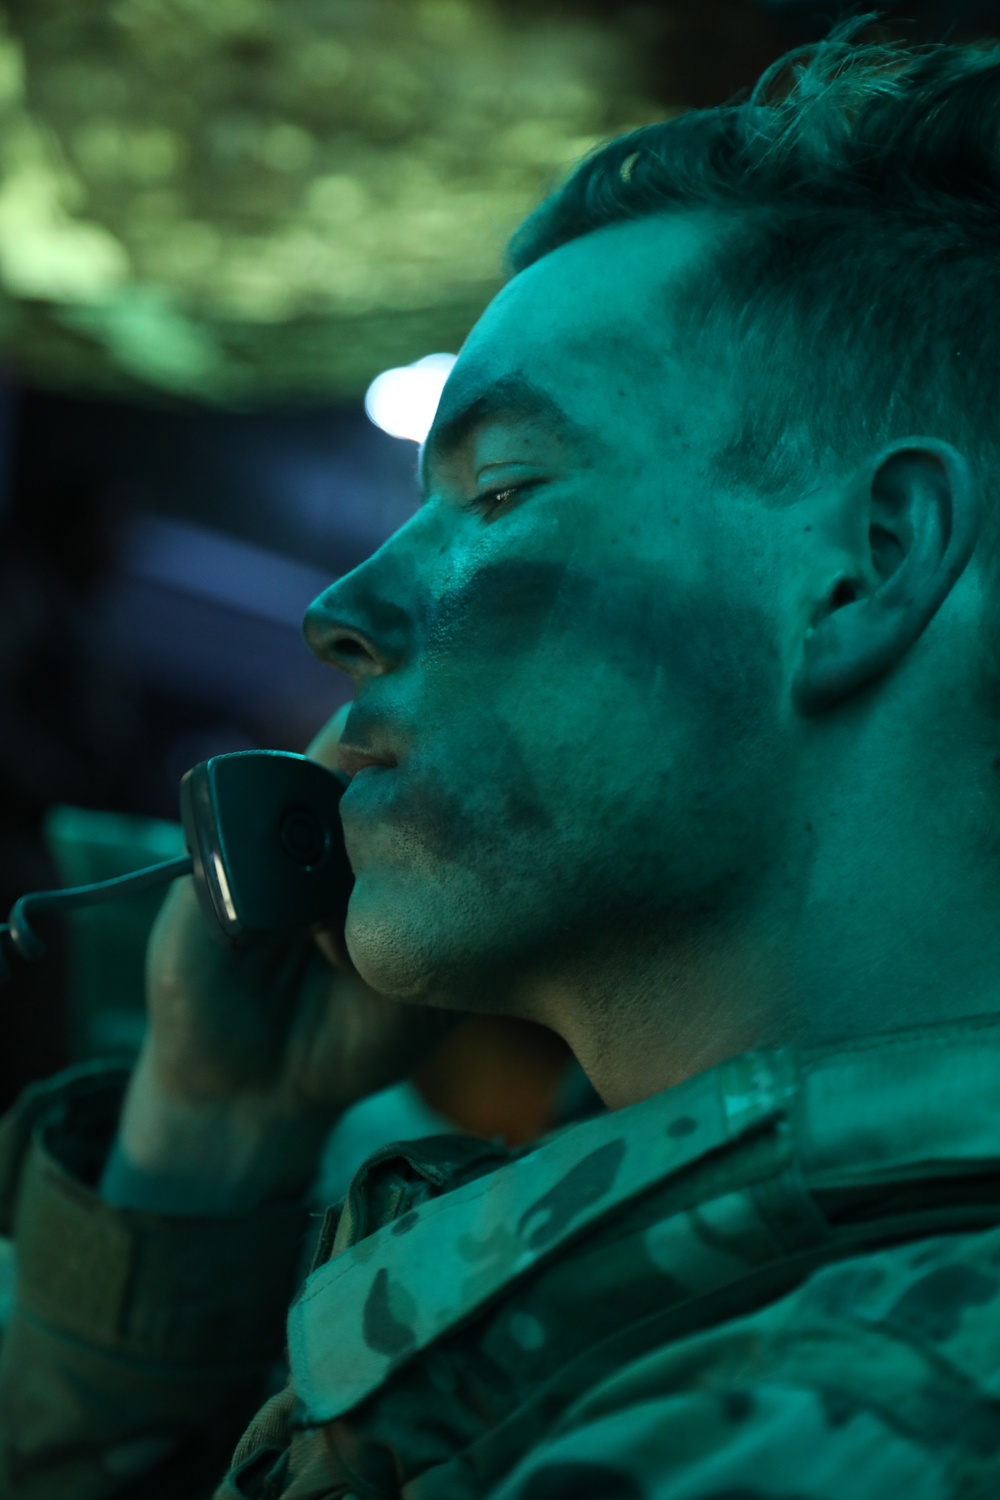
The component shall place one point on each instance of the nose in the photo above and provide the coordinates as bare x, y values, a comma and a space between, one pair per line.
352, 627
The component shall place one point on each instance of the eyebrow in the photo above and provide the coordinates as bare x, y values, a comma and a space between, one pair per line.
510, 396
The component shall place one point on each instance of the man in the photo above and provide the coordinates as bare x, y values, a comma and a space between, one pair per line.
673, 730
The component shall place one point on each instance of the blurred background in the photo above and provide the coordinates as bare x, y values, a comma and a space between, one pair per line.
219, 225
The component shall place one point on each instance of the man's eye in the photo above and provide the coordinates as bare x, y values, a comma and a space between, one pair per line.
489, 502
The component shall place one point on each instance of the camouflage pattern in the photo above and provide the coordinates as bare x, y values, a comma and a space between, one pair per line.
385, 1301
780, 1279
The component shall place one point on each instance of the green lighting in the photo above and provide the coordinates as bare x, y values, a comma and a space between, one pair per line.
260, 200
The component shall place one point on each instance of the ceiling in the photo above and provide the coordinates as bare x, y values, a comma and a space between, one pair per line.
258, 202
266, 200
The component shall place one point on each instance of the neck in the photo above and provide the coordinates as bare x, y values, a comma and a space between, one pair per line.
828, 962
644, 1011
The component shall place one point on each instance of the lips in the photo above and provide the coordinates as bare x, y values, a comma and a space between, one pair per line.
351, 759
354, 758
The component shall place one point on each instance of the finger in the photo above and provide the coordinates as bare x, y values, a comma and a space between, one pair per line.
323, 746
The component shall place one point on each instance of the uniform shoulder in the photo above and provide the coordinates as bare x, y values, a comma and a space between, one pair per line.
876, 1372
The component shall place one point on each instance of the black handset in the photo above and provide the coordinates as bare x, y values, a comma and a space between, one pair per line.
266, 850
264, 831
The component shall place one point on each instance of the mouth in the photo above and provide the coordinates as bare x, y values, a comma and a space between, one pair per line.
353, 758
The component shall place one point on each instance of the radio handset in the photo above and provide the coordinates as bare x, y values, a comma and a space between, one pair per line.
265, 847
263, 829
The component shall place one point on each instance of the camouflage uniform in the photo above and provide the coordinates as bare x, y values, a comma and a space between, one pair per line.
779, 1279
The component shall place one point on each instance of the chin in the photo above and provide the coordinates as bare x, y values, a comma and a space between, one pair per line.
398, 950
387, 952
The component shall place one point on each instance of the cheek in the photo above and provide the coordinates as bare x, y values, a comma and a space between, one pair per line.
501, 612
545, 686
470, 795
702, 644
699, 649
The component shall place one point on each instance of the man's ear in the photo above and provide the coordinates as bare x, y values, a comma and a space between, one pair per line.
924, 511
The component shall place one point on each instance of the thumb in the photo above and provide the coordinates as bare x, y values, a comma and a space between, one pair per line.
323, 749
323, 746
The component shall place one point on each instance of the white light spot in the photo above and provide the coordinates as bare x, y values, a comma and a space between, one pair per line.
223, 885
403, 401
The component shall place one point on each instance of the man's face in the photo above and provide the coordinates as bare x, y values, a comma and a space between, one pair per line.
582, 683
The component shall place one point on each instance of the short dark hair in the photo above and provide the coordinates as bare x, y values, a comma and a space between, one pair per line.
855, 291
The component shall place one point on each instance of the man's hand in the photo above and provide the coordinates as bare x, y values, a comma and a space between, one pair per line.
250, 1055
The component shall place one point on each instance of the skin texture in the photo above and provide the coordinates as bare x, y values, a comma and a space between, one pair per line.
678, 772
